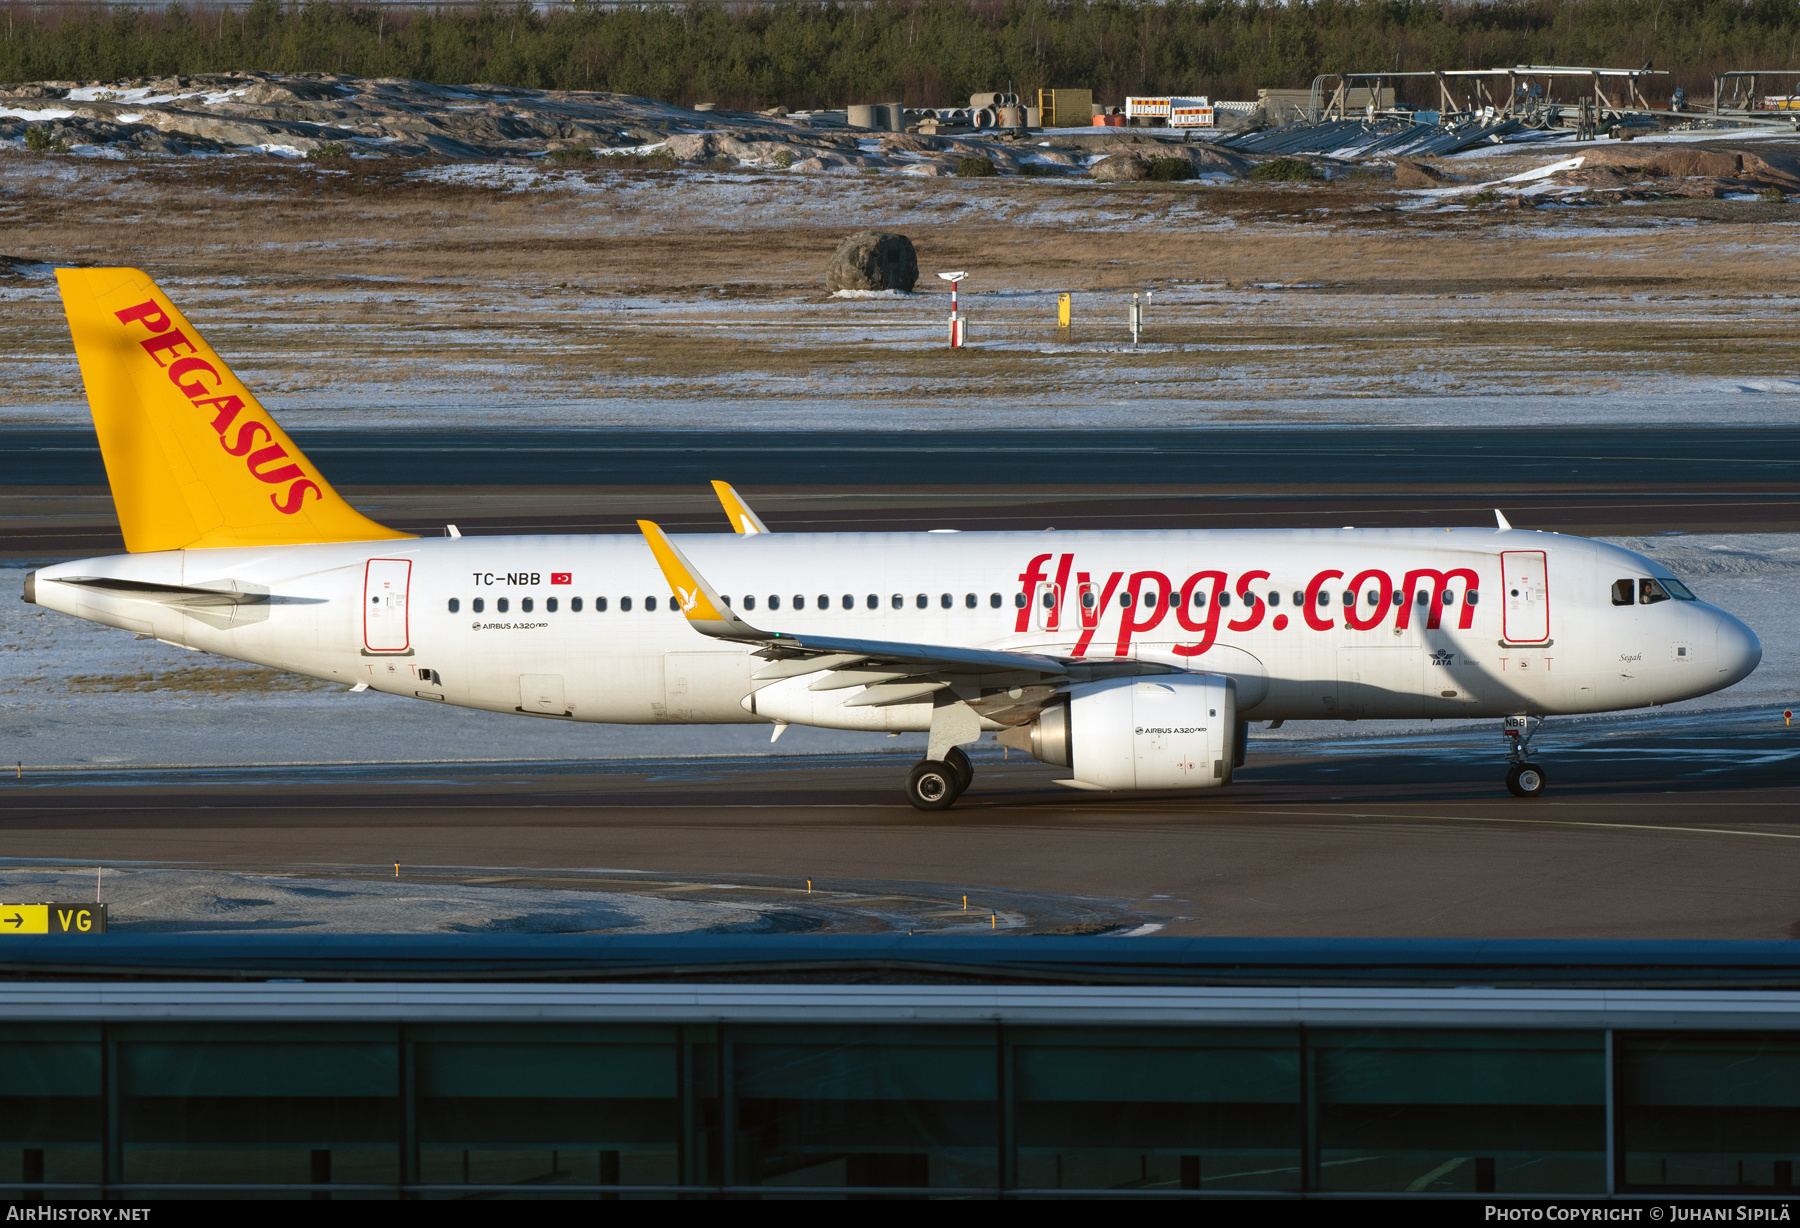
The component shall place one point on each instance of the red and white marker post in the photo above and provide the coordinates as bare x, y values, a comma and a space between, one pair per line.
958, 326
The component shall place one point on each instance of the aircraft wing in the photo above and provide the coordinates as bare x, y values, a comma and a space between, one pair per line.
893, 672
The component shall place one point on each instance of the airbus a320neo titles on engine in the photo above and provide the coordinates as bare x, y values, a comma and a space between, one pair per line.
1135, 659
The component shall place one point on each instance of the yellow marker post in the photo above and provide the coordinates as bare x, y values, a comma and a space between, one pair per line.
809, 886
995, 919
1064, 310
396, 869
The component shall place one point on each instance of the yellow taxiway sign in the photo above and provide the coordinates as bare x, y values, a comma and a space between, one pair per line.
76, 919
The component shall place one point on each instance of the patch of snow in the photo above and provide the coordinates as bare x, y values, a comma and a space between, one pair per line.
1786, 386
904, 294
281, 151
15, 111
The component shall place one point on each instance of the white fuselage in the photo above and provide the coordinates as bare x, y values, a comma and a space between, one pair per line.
1529, 626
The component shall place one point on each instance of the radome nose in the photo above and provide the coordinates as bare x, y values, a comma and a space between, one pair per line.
1739, 651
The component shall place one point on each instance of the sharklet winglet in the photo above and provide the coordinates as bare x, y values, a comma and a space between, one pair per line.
701, 604
743, 521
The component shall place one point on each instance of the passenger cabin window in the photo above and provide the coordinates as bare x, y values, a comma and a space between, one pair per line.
1088, 600
849, 602
550, 605
749, 603
600, 605
993, 601
945, 600
873, 601
526, 605
501, 605
478, 605
575, 605
921, 601
824, 602
1624, 592
774, 602
455, 605
1274, 598
1199, 598
1650, 592
1224, 600
1125, 601
625, 604
969, 601
897, 601
1019, 602
650, 604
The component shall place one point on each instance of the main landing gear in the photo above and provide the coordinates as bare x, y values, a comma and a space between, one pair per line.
936, 783
1523, 778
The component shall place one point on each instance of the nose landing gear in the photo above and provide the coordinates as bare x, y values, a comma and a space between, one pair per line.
1523, 778
934, 784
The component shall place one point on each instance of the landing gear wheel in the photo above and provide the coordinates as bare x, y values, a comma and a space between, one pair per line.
932, 785
959, 762
1525, 780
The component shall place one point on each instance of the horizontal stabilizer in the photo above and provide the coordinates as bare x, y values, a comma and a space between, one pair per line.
166, 594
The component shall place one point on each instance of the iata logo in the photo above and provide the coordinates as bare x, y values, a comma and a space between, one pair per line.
170, 349
1443, 656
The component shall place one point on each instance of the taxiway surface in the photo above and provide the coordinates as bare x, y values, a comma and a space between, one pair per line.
1653, 828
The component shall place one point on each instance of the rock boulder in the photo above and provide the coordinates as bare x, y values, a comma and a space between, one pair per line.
1120, 168
873, 260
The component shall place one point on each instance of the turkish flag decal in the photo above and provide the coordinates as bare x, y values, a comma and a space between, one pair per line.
561, 577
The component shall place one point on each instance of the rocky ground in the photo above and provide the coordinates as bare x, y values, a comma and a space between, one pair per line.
515, 256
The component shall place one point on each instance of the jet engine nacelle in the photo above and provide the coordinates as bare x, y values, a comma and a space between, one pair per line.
1170, 731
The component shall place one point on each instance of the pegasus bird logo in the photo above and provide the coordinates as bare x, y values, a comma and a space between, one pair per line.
690, 597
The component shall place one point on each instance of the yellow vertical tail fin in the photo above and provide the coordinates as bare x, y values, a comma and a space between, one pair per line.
193, 459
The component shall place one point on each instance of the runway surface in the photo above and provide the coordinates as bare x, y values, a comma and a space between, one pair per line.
39, 523
1655, 458
54, 504
1653, 828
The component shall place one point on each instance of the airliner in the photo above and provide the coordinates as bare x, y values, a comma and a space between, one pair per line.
1134, 659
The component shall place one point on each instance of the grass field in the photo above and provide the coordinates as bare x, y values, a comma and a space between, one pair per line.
407, 293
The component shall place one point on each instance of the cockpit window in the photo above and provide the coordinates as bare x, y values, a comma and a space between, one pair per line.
1677, 589
1624, 592
1650, 592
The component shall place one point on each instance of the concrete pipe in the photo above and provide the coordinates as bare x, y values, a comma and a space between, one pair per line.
893, 116
983, 117
1012, 117
863, 115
